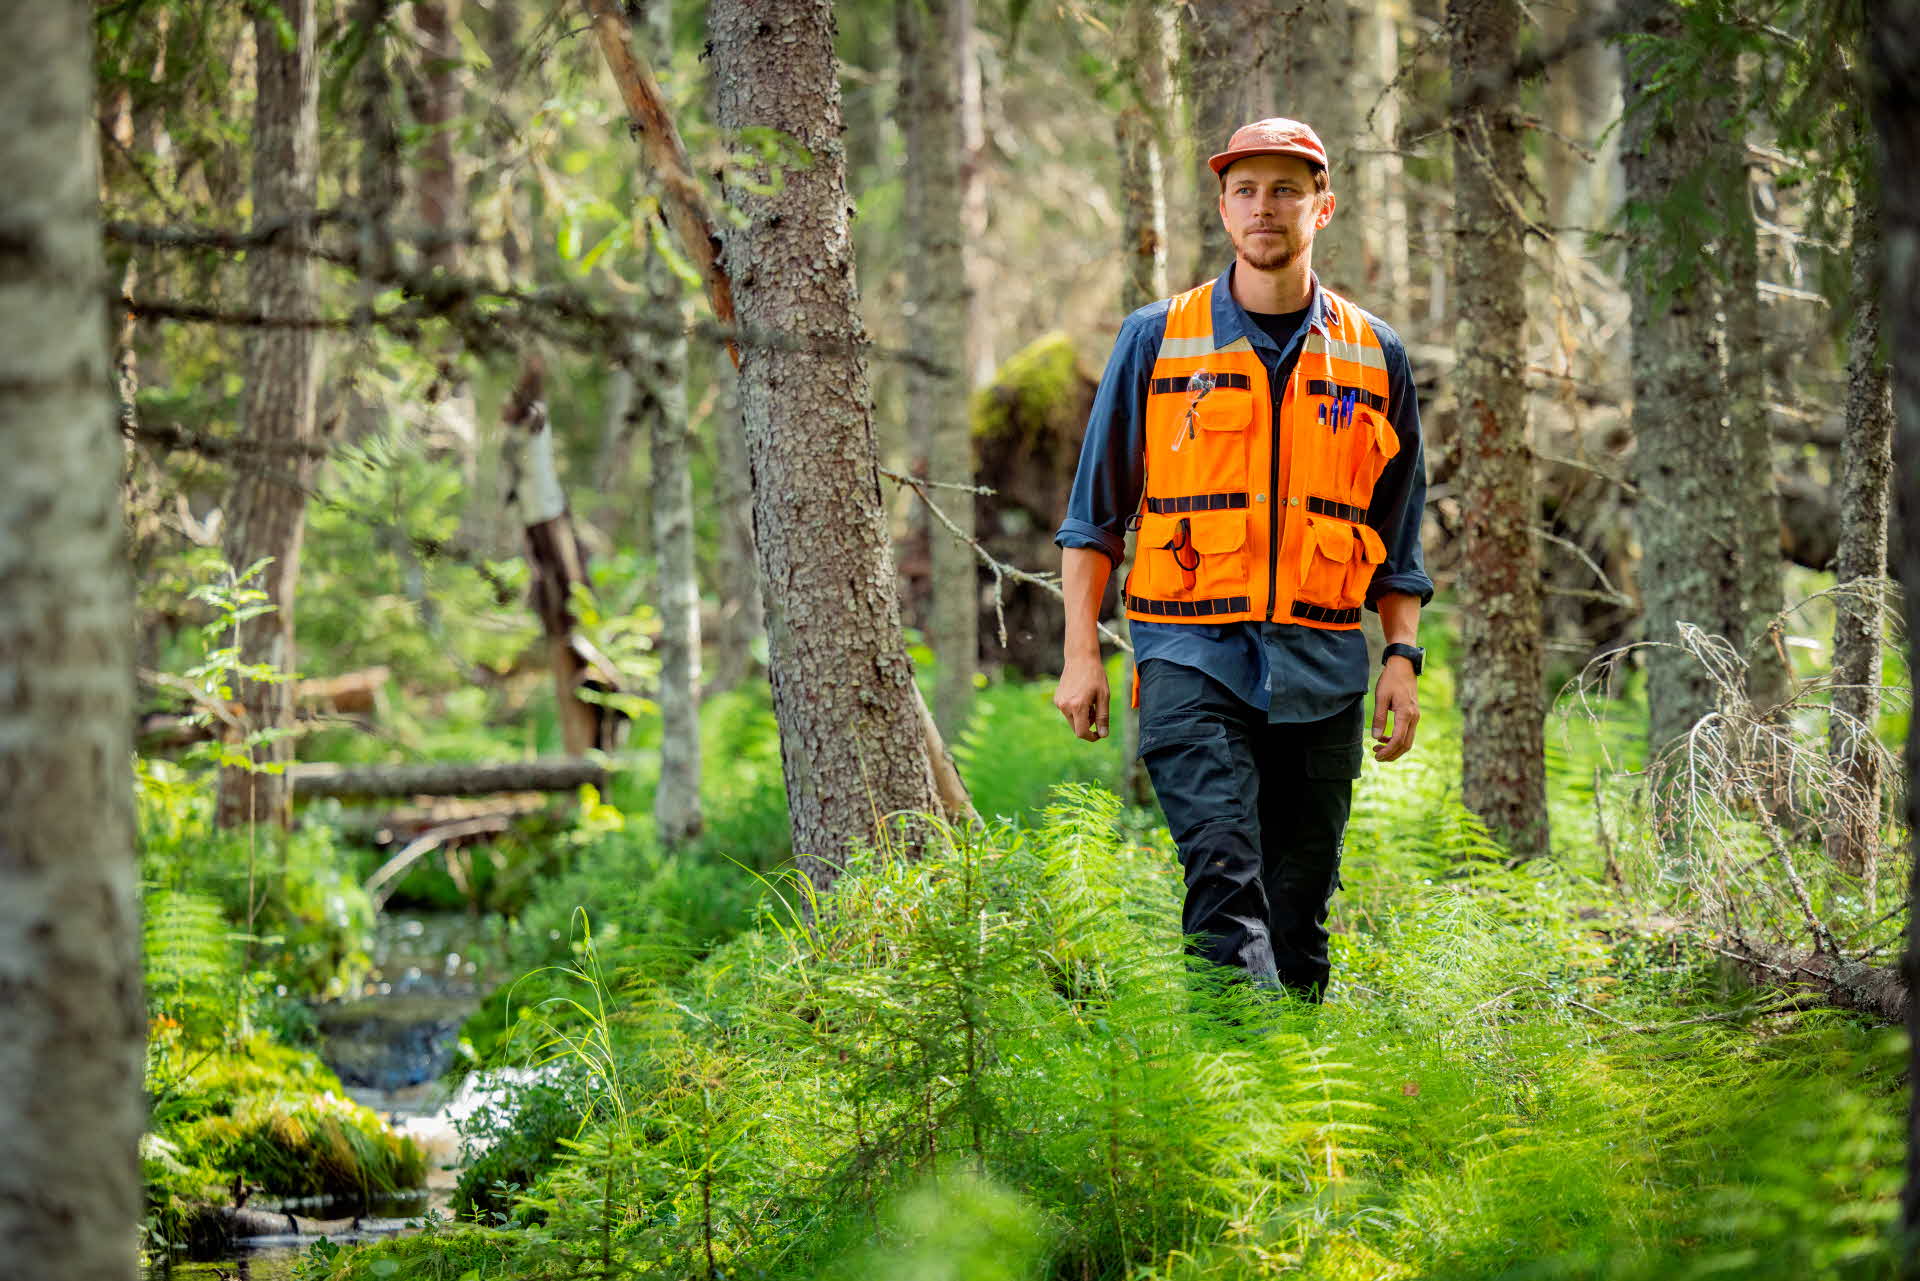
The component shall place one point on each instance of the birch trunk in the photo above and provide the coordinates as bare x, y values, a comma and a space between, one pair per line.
1503, 761
935, 38
850, 735
71, 1108
1866, 471
1687, 513
267, 509
1894, 36
660, 400
676, 808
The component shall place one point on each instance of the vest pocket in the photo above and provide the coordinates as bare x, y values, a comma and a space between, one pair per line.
1326, 553
1199, 556
1368, 555
1221, 540
1381, 444
1218, 444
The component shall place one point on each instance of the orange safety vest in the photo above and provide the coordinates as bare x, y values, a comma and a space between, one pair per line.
1247, 519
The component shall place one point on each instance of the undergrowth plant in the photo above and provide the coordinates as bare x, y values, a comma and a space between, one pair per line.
996, 1061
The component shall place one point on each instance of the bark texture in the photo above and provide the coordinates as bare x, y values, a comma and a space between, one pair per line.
661, 401
437, 107
936, 41
267, 510
1750, 431
557, 566
743, 622
1894, 36
843, 695
1227, 50
1316, 50
1866, 470
1503, 770
71, 1010
1688, 510
1140, 134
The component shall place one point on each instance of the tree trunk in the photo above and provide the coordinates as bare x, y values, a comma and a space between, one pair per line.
1315, 46
1750, 430
1141, 136
1866, 470
662, 402
556, 567
437, 107
268, 507
1894, 33
71, 1108
935, 39
1376, 183
843, 689
1503, 762
743, 623
1228, 53
1686, 514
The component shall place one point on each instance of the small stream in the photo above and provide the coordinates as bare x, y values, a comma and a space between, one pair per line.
389, 1044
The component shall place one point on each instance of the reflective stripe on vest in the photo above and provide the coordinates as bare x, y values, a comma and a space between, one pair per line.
1255, 504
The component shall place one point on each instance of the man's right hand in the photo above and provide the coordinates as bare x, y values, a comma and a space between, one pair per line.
1083, 696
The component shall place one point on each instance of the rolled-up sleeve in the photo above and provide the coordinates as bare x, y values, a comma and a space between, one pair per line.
1400, 498
1112, 470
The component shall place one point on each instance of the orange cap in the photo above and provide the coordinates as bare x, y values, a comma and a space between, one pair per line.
1276, 137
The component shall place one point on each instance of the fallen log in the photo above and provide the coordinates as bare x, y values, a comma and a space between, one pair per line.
401, 824
1877, 991
459, 778
1873, 990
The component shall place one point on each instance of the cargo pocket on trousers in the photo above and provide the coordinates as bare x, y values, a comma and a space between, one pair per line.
1337, 762
1193, 766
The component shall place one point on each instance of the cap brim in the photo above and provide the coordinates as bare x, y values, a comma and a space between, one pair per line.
1225, 158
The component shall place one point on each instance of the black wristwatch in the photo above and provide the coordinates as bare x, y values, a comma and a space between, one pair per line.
1412, 653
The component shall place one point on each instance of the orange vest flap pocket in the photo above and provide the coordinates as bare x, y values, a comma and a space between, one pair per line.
1385, 438
1225, 409
1371, 547
1165, 552
1215, 533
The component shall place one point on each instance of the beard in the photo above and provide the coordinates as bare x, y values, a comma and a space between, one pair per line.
1271, 256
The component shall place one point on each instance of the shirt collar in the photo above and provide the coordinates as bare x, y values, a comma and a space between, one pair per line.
1230, 319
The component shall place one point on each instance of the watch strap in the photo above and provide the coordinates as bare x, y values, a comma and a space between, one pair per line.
1412, 653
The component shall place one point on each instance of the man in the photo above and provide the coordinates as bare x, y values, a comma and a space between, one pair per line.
1261, 435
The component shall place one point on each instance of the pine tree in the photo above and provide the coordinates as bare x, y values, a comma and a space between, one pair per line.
850, 732
1503, 762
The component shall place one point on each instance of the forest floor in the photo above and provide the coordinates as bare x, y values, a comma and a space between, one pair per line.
992, 1062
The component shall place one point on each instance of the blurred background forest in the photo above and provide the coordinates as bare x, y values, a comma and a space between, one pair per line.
467, 569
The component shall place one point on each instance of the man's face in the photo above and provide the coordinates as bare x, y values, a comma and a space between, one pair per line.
1271, 210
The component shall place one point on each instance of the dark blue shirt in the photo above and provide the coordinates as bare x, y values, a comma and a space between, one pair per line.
1291, 672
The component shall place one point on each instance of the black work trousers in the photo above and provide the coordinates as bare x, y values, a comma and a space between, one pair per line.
1259, 812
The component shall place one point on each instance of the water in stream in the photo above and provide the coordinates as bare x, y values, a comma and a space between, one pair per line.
389, 1044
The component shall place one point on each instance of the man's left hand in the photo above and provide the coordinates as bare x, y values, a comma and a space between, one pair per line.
1395, 695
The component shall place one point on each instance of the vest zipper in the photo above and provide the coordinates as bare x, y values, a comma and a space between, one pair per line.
1279, 503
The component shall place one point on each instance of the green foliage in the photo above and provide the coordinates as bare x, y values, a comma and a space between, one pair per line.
309, 915
1016, 749
262, 1115
992, 1061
